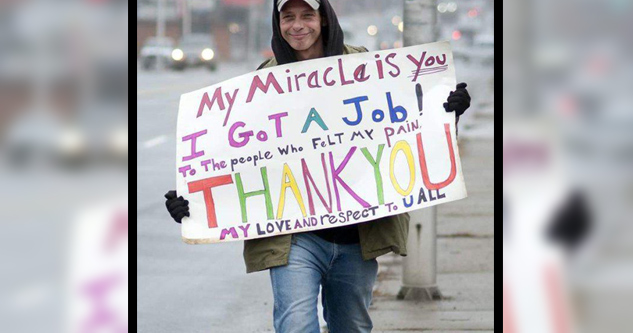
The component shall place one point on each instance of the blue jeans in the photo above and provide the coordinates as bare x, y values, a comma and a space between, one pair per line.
346, 280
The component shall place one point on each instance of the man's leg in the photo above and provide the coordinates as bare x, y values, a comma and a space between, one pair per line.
347, 291
296, 287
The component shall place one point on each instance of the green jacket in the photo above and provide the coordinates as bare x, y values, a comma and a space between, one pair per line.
376, 238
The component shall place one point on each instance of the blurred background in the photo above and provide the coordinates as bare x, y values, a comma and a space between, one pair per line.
185, 45
567, 166
240, 30
63, 165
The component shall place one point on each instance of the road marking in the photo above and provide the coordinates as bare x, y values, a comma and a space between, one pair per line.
154, 142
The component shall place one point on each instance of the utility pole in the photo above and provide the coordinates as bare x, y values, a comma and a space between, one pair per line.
186, 18
419, 266
253, 11
160, 30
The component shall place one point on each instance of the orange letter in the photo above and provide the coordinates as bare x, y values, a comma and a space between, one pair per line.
205, 186
424, 169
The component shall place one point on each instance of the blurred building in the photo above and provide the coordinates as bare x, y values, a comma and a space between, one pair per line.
226, 21
63, 80
469, 17
242, 28
146, 16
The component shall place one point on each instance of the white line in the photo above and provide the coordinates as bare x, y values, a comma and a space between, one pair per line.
154, 142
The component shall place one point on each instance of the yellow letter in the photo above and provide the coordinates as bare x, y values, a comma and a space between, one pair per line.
404, 147
288, 180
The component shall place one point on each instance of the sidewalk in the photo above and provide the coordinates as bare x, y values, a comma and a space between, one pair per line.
465, 260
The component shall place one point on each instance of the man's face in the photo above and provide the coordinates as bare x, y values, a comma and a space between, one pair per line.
300, 25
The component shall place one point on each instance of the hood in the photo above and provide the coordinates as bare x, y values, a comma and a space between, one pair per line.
332, 35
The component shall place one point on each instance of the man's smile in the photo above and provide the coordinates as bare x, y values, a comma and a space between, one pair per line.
299, 36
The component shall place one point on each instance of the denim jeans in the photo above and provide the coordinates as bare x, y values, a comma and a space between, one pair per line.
345, 278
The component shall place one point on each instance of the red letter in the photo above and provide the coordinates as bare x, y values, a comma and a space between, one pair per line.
359, 73
217, 95
257, 84
424, 169
205, 186
417, 63
387, 58
325, 80
508, 318
340, 72
557, 301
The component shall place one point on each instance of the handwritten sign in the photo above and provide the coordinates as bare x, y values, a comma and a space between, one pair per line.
98, 268
318, 144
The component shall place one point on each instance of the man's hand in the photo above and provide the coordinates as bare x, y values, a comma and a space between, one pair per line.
458, 100
572, 223
177, 207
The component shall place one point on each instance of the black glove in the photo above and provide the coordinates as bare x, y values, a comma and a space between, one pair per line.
458, 100
177, 207
571, 223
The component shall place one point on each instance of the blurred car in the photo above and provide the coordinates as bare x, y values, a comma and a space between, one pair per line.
194, 50
44, 139
156, 48
32, 139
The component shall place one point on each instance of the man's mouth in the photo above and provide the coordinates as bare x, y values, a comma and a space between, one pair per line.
299, 36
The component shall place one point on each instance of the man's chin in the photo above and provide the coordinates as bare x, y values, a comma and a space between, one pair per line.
299, 47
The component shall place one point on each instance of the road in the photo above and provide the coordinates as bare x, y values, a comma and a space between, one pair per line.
202, 288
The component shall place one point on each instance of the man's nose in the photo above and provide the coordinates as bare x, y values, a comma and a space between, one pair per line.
297, 25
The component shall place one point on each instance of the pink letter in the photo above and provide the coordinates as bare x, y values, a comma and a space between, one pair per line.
277, 118
257, 84
217, 95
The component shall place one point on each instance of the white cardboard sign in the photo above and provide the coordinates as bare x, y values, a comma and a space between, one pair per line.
318, 144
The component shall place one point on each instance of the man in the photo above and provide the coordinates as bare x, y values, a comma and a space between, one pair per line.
341, 260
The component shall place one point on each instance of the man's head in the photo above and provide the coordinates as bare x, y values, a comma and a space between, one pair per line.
300, 23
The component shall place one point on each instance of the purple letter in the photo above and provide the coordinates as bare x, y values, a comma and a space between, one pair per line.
193, 137
336, 178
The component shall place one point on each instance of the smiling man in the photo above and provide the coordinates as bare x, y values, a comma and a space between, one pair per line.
340, 260
300, 26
